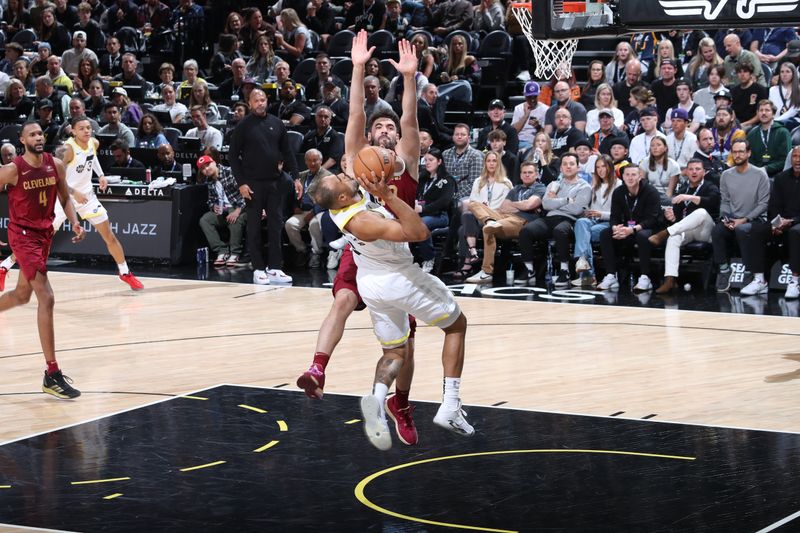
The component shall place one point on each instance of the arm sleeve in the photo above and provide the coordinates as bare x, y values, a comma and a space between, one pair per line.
96, 166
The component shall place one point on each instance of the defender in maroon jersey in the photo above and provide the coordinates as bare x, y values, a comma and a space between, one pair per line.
36, 180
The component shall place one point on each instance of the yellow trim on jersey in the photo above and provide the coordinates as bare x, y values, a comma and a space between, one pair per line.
356, 208
75, 149
398, 342
443, 317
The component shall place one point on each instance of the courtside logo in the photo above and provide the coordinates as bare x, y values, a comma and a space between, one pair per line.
745, 9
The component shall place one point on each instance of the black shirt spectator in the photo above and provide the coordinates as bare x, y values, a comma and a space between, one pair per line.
66, 14
365, 15
327, 140
119, 15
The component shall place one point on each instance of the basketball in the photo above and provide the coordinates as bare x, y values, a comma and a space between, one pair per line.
373, 159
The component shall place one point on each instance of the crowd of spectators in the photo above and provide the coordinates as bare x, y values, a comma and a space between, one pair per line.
612, 160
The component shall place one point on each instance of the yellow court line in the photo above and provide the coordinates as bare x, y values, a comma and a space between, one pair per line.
198, 467
359, 490
91, 481
353, 421
251, 408
194, 397
112, 496
267, 446
282, 425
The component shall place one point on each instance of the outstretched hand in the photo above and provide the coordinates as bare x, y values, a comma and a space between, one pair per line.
408, 59
360, 54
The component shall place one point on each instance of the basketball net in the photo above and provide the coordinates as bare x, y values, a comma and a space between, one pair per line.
553, 56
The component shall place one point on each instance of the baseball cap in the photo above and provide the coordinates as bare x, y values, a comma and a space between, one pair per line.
668, 61
251, 81
605, 111
44, 45
497, 104
622, 141
203, 160
119, 90
648, 112
79, 35
531, 89
43, 103
680, 113
583, 142
792, 49
723, 93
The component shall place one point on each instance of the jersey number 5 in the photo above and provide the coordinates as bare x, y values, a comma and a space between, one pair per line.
43, 198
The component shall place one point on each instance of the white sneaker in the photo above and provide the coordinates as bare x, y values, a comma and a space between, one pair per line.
454, 421
609, 283
338, 244
792, 290
333, 259
220, 260
260, 277
427, 266
493, 224
755, 287
481, 277
278, 276
643, 285
582, 265
375, 426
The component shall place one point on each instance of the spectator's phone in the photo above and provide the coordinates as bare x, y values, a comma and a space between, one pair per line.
776, 222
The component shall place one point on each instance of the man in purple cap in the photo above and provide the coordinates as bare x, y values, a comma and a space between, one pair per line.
529, 116
681, 143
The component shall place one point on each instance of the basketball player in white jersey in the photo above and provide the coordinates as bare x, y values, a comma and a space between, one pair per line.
80, 157
393, 286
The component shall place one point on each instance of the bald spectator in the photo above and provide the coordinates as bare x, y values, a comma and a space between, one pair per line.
57, 74
736, 55
622, 89
324, 139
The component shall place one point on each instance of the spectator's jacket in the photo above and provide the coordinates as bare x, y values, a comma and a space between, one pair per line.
229, 185
769, 148
643, 209
435, 194
709, 200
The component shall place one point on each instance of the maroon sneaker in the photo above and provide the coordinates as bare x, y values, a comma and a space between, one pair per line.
403, 421
131, 280
312, 382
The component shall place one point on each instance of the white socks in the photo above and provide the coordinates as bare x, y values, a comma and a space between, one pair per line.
8, 262
759, 277
123, 268
379, 390
451, 396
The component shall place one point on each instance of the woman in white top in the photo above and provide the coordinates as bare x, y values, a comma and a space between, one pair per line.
489, 190
705, 96
594, 220
661, 170
707, 57
177, 111
786, 96
615, 70
603, 99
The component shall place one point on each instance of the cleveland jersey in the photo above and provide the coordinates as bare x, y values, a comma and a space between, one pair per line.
32, 201
79, 170
375, 255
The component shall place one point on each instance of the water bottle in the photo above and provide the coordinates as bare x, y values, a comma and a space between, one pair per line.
148, 176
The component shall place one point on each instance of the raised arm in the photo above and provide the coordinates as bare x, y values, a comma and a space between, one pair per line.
354, 139
408, 147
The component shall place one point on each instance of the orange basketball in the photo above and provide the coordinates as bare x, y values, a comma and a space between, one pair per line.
373, 159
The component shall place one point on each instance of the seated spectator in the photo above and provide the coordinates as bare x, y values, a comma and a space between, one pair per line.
600, 141
23, 73
705, 96
95, 39
666, 50
122, 156
332, 97
200, 96
660, 170
153, 17
694, 211
695, 112
426, 116
294, 40
395, 93
111, 61
586, 159
45, 89
548, 89
520, 207
496, 114
76, 109
619, 154
396, 23
254, 28
44, 117
497, 143
457, 72
209, 135
66, 14
221, 62
87, 72
726, 131
304, 214
489, 16
190, 70
57, 75
640, 145
13, 51
634, 216
736, 56
426, 62
39, 62
280, 73
96, 102
594, 220
373, 103
700, 66
712, 164
16, 17
616, 68
177, 111
115, 127
366, 15
564, 136
769, 141
786, 96
420, 17
597, 77
130, 111
529, 116
772, 44
489, 190
321, 18
289, 108
166, 73
322, 75
565, 201
541, 154
188, 17
53, 32
622, 89
166, 160
323, 138
577, 112
603, 99
745, 194
682, 143
129, 76
119, 14
150, 133
226, 208
15, 97
665, 89
261, 65
373, 68
232, 89
464, 163
784, 206
434, 196
72, 57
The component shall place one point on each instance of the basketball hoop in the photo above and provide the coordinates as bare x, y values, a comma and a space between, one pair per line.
553, 56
